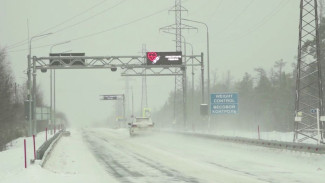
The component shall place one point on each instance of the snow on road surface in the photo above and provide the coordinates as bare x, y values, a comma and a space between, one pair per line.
72, 160
164, 157
110, 155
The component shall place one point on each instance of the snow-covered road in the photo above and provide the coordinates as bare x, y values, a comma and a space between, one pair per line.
110, 154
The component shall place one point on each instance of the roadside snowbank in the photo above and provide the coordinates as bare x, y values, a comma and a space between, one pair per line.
12, 163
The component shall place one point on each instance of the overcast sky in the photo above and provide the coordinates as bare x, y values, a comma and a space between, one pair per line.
244, 34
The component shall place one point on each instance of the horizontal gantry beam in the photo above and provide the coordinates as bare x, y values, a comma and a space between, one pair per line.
130, 65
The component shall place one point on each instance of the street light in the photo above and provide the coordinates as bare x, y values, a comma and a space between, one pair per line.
184, 98
56, 44
174, 40
29, 76
187, 43
51, 115
208, 55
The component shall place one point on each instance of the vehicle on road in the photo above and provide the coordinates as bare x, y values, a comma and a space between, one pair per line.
140, 124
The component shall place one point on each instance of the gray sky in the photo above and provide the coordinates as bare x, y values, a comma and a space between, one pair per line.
244, 34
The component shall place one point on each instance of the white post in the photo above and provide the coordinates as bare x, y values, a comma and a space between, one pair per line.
318, 129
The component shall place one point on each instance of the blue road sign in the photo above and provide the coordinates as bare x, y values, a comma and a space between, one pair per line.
224, 103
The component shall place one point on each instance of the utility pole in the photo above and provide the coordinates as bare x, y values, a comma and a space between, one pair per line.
52, 117
34, 96
31, 92
208, 52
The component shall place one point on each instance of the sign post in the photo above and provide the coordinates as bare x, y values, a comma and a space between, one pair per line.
318, 126
115, 97
224, 103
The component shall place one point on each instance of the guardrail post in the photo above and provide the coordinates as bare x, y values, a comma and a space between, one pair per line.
25, 153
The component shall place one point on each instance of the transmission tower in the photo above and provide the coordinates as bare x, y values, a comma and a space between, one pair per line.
180, 81
309, 92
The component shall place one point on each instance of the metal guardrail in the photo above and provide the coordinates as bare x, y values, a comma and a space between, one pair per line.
41, 150
302, 147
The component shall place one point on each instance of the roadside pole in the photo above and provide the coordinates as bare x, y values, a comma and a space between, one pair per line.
318, 128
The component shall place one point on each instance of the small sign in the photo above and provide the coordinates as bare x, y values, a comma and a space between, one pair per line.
43, 113
146, 112
322, 118
224, 103
111, 97
298, 119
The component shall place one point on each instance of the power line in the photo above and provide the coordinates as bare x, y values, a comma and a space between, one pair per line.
103, 31
121, 25
237, 17
69, 26
42, 46
261, 23
217, 7
89, 18
24, 42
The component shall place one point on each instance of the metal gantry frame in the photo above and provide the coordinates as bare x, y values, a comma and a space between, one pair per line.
130, 65
309, 88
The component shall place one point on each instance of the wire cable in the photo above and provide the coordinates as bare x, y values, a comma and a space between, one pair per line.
103, 31
267, 18
237, 17
24, 42
91, 17
217, 8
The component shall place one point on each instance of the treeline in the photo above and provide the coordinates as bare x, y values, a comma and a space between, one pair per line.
266, 98
12, 123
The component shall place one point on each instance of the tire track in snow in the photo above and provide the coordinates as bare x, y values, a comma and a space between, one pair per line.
244, 172
122, 163
112, 166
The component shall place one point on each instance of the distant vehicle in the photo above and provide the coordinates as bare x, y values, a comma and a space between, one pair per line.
140, 124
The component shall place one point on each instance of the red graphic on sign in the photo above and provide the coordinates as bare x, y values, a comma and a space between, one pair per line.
152, 56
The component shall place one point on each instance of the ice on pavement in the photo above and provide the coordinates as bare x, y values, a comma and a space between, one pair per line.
110, 155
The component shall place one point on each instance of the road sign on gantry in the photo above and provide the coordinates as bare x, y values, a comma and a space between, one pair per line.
224, 103
67, 61
112, 97
109, 97
164, 58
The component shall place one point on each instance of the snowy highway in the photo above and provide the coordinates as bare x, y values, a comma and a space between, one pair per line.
111, 154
